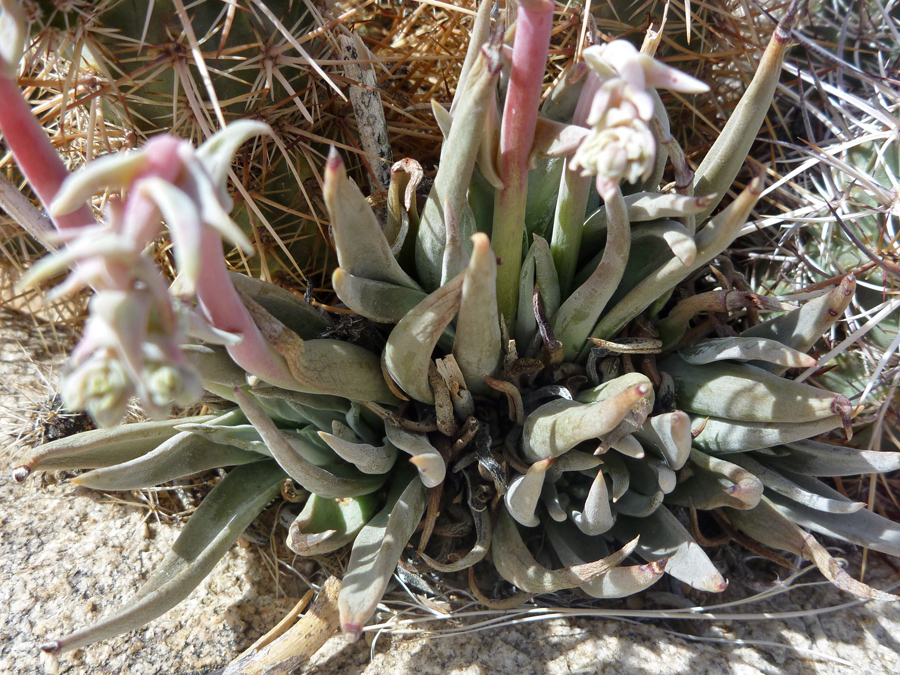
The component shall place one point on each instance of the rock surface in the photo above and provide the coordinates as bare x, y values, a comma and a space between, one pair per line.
68, 555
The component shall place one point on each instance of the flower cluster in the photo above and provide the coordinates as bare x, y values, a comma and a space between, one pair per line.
131, 343
620, 109
128, 351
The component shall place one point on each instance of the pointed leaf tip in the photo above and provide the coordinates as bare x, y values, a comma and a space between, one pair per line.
334, 162
656, 567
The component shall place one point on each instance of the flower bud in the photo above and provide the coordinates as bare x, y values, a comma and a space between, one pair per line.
99, 385
612, 153
169, 383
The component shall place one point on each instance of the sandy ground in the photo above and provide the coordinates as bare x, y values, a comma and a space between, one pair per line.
68, 555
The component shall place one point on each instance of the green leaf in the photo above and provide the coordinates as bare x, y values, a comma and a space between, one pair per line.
714, 482
739, 391
368, 458
782, 482
815, 458
458, 155
745, 349
216, 524
477, 346
864, 528
319, 480
182, 455
359, 240
325, 525
101, 447
293, 311
668, 436
662, 536
725, 158
378, 301
801, 328
515, 563
407, 354
425, 457
711, 241
579, 313
560, 425
769, 526
376, 551
721, 436
573, 547
324, 366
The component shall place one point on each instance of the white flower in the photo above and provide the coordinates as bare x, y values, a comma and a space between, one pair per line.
169, 383
620, 145
620, 59
100, 385
167, 377
615, 152
617, 94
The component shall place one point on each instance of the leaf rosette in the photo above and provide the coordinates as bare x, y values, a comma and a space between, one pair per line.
541, 383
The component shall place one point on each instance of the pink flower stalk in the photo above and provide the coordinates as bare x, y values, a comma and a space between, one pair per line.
520, 113
35, 155
223, 308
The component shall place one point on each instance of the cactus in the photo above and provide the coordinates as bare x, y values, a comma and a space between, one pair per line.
843, 218
114, 73
533, 367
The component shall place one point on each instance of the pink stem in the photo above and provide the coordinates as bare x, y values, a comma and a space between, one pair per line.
520, 112
35, 155
224, 309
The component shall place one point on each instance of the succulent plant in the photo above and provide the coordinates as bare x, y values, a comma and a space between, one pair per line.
844, 219
530, 348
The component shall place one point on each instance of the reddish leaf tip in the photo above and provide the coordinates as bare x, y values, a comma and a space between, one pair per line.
51, 647
351, 631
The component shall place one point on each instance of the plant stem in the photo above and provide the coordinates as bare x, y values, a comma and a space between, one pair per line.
224, 309
35, 155
579, 313
520, 113
574, 191
568, 225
